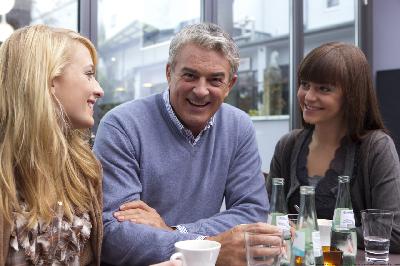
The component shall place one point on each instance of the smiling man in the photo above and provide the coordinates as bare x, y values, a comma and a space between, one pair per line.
170, 159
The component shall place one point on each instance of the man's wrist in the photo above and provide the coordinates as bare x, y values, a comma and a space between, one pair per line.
182, 229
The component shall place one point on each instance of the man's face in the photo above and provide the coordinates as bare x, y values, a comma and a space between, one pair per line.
198, 85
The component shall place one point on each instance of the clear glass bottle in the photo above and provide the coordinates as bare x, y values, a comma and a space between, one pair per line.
343, 232
278, 209
278, 216
306, 247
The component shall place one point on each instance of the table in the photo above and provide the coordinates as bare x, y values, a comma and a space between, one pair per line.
394, 259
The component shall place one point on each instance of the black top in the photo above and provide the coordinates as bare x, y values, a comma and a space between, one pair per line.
327, 186
372, 163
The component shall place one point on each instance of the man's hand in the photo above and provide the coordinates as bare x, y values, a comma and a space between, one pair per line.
233, 251
140, 213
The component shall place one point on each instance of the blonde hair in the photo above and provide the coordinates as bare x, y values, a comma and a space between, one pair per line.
43, 160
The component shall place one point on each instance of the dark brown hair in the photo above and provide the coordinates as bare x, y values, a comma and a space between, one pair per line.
344, 65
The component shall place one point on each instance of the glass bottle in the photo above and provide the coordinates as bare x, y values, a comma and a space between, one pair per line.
278, 216
278, 210
306, 247
343, 232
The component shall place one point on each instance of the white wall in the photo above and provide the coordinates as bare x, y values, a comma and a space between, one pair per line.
268, 133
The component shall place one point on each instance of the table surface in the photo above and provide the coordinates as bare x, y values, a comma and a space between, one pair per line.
394, 259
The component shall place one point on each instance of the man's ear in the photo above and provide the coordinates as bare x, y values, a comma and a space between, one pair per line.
232, 83
168, 72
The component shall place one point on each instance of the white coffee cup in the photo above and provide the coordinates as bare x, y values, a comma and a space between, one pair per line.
325, 226
196, 252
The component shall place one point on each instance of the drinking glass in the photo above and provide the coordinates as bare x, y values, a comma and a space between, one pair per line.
263, 249
287, 250
377, 228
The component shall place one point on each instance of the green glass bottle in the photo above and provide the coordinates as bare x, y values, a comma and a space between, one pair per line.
306, 247
343, 232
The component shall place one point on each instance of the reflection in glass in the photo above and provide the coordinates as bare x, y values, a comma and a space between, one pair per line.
326, 21
56, 13
273, 87
261, 28
133, 42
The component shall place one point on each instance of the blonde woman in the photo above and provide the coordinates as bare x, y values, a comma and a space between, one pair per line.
50, 182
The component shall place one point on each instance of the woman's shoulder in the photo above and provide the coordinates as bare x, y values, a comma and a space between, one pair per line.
376, 137
293, 135
378, 142
287, 142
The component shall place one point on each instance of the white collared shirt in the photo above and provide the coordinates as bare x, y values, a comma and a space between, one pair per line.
186, 132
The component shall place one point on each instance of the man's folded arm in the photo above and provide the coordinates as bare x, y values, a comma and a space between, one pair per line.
245, 194
126, 243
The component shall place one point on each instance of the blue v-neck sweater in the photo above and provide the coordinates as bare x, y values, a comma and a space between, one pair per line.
146, 157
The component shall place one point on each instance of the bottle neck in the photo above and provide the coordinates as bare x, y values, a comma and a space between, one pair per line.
307, 214
278, 202
343, 199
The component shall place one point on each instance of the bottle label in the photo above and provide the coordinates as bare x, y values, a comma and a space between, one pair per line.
269, 219
283, 222
279, 219
316, 240
299, 243
347, 219
343, 219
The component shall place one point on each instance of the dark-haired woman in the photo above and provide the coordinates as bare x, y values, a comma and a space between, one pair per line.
343, 134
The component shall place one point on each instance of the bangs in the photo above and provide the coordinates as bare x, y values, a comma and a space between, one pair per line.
324, 67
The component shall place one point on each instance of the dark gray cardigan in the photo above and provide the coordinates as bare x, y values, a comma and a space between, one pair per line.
376, 184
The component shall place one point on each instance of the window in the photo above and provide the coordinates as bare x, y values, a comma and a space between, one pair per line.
133, 43
260, 28
57, 13
261, 31
322, 24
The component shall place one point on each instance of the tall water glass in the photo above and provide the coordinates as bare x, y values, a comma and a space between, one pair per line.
377, 228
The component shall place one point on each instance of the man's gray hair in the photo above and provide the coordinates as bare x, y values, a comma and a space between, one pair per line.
208, 36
